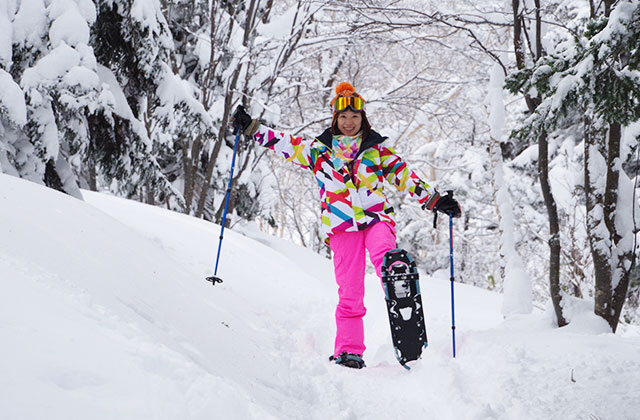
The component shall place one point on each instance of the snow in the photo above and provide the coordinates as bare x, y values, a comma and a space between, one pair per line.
527, 157
5, 38
30, 23
70, 27
173, 90
45, 118
621, 16
280, 26
12, 99
496, 102
82, 76
203, 50
52, 66
518, 292
105, 314
116, 96
85, 8
624, 222
148, 13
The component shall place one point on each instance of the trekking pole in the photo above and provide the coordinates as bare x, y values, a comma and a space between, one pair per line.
215, 279
453, 316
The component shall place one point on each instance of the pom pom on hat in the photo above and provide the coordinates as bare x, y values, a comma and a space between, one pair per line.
345, 89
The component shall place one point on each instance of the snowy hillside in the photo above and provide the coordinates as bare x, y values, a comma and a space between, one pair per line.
105, 314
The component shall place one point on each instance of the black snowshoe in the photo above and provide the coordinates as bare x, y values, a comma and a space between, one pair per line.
404, 305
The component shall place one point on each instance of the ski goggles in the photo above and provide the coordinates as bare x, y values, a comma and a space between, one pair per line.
342, 103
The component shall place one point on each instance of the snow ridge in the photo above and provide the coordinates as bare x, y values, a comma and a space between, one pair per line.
105, 313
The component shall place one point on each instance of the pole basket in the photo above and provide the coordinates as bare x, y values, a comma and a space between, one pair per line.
213, 280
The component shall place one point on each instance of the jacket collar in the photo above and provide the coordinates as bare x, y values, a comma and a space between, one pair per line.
371, 140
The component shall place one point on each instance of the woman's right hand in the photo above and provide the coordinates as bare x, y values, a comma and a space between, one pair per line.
240, 120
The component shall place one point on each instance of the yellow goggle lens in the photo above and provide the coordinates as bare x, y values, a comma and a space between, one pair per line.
356, 103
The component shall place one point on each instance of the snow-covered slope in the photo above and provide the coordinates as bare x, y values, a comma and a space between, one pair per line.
105, 314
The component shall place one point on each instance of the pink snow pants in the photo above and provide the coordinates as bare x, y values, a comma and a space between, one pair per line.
349, 260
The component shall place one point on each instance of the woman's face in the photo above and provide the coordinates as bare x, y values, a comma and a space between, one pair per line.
349, 122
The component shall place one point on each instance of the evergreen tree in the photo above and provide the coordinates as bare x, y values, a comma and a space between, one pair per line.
51, 62
134, 44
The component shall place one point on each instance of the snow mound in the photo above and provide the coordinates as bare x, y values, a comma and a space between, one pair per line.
105, 314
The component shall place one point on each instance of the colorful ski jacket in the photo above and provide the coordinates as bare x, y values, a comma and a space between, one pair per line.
352, 196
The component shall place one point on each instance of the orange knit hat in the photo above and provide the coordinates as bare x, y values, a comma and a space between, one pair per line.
345, 90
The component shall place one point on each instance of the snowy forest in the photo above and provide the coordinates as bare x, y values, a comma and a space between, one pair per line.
529, 110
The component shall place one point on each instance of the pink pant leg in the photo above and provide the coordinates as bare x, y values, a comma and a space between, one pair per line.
349, 264
378, 240
349, 260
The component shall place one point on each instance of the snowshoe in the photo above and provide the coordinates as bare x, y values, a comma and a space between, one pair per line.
404, 305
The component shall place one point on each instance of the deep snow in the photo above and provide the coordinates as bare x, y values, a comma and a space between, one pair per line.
105, 314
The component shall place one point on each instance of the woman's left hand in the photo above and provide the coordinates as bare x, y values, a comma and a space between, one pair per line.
447, 204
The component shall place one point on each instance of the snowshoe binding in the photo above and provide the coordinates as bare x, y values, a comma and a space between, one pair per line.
350, 360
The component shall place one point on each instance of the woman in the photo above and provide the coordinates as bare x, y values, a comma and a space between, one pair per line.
350, 163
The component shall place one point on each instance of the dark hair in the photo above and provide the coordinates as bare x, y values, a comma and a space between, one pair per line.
365, 127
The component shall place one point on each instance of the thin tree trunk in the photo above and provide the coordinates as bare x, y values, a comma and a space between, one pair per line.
618, 280
190, 166
554, 228
596, 229
216, 148
93, 181
613, 180
543, 162
149, 190
608, 4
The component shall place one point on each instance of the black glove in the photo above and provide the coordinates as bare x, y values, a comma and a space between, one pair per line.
240, 120
447, 204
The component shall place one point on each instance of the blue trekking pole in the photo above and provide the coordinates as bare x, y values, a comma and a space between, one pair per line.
453, 316
214, 279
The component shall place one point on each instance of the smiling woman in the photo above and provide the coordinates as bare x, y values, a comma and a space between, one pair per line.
349, 112
350, 163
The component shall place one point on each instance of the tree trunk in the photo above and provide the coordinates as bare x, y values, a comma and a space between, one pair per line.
216, 148
608, 5
554, 228
190, 166
614, 275
210, 166
150, 193
543, 162
596, 230
93, 178
612, 258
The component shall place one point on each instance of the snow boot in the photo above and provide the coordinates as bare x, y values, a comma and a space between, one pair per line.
350, 360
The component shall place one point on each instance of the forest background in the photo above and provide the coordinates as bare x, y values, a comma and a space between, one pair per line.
528, 110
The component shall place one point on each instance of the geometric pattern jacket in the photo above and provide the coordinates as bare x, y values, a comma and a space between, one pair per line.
352, 197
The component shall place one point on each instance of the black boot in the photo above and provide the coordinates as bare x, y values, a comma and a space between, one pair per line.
350, 360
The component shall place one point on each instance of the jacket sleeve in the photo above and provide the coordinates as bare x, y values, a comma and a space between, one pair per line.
396, 172
293, 149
